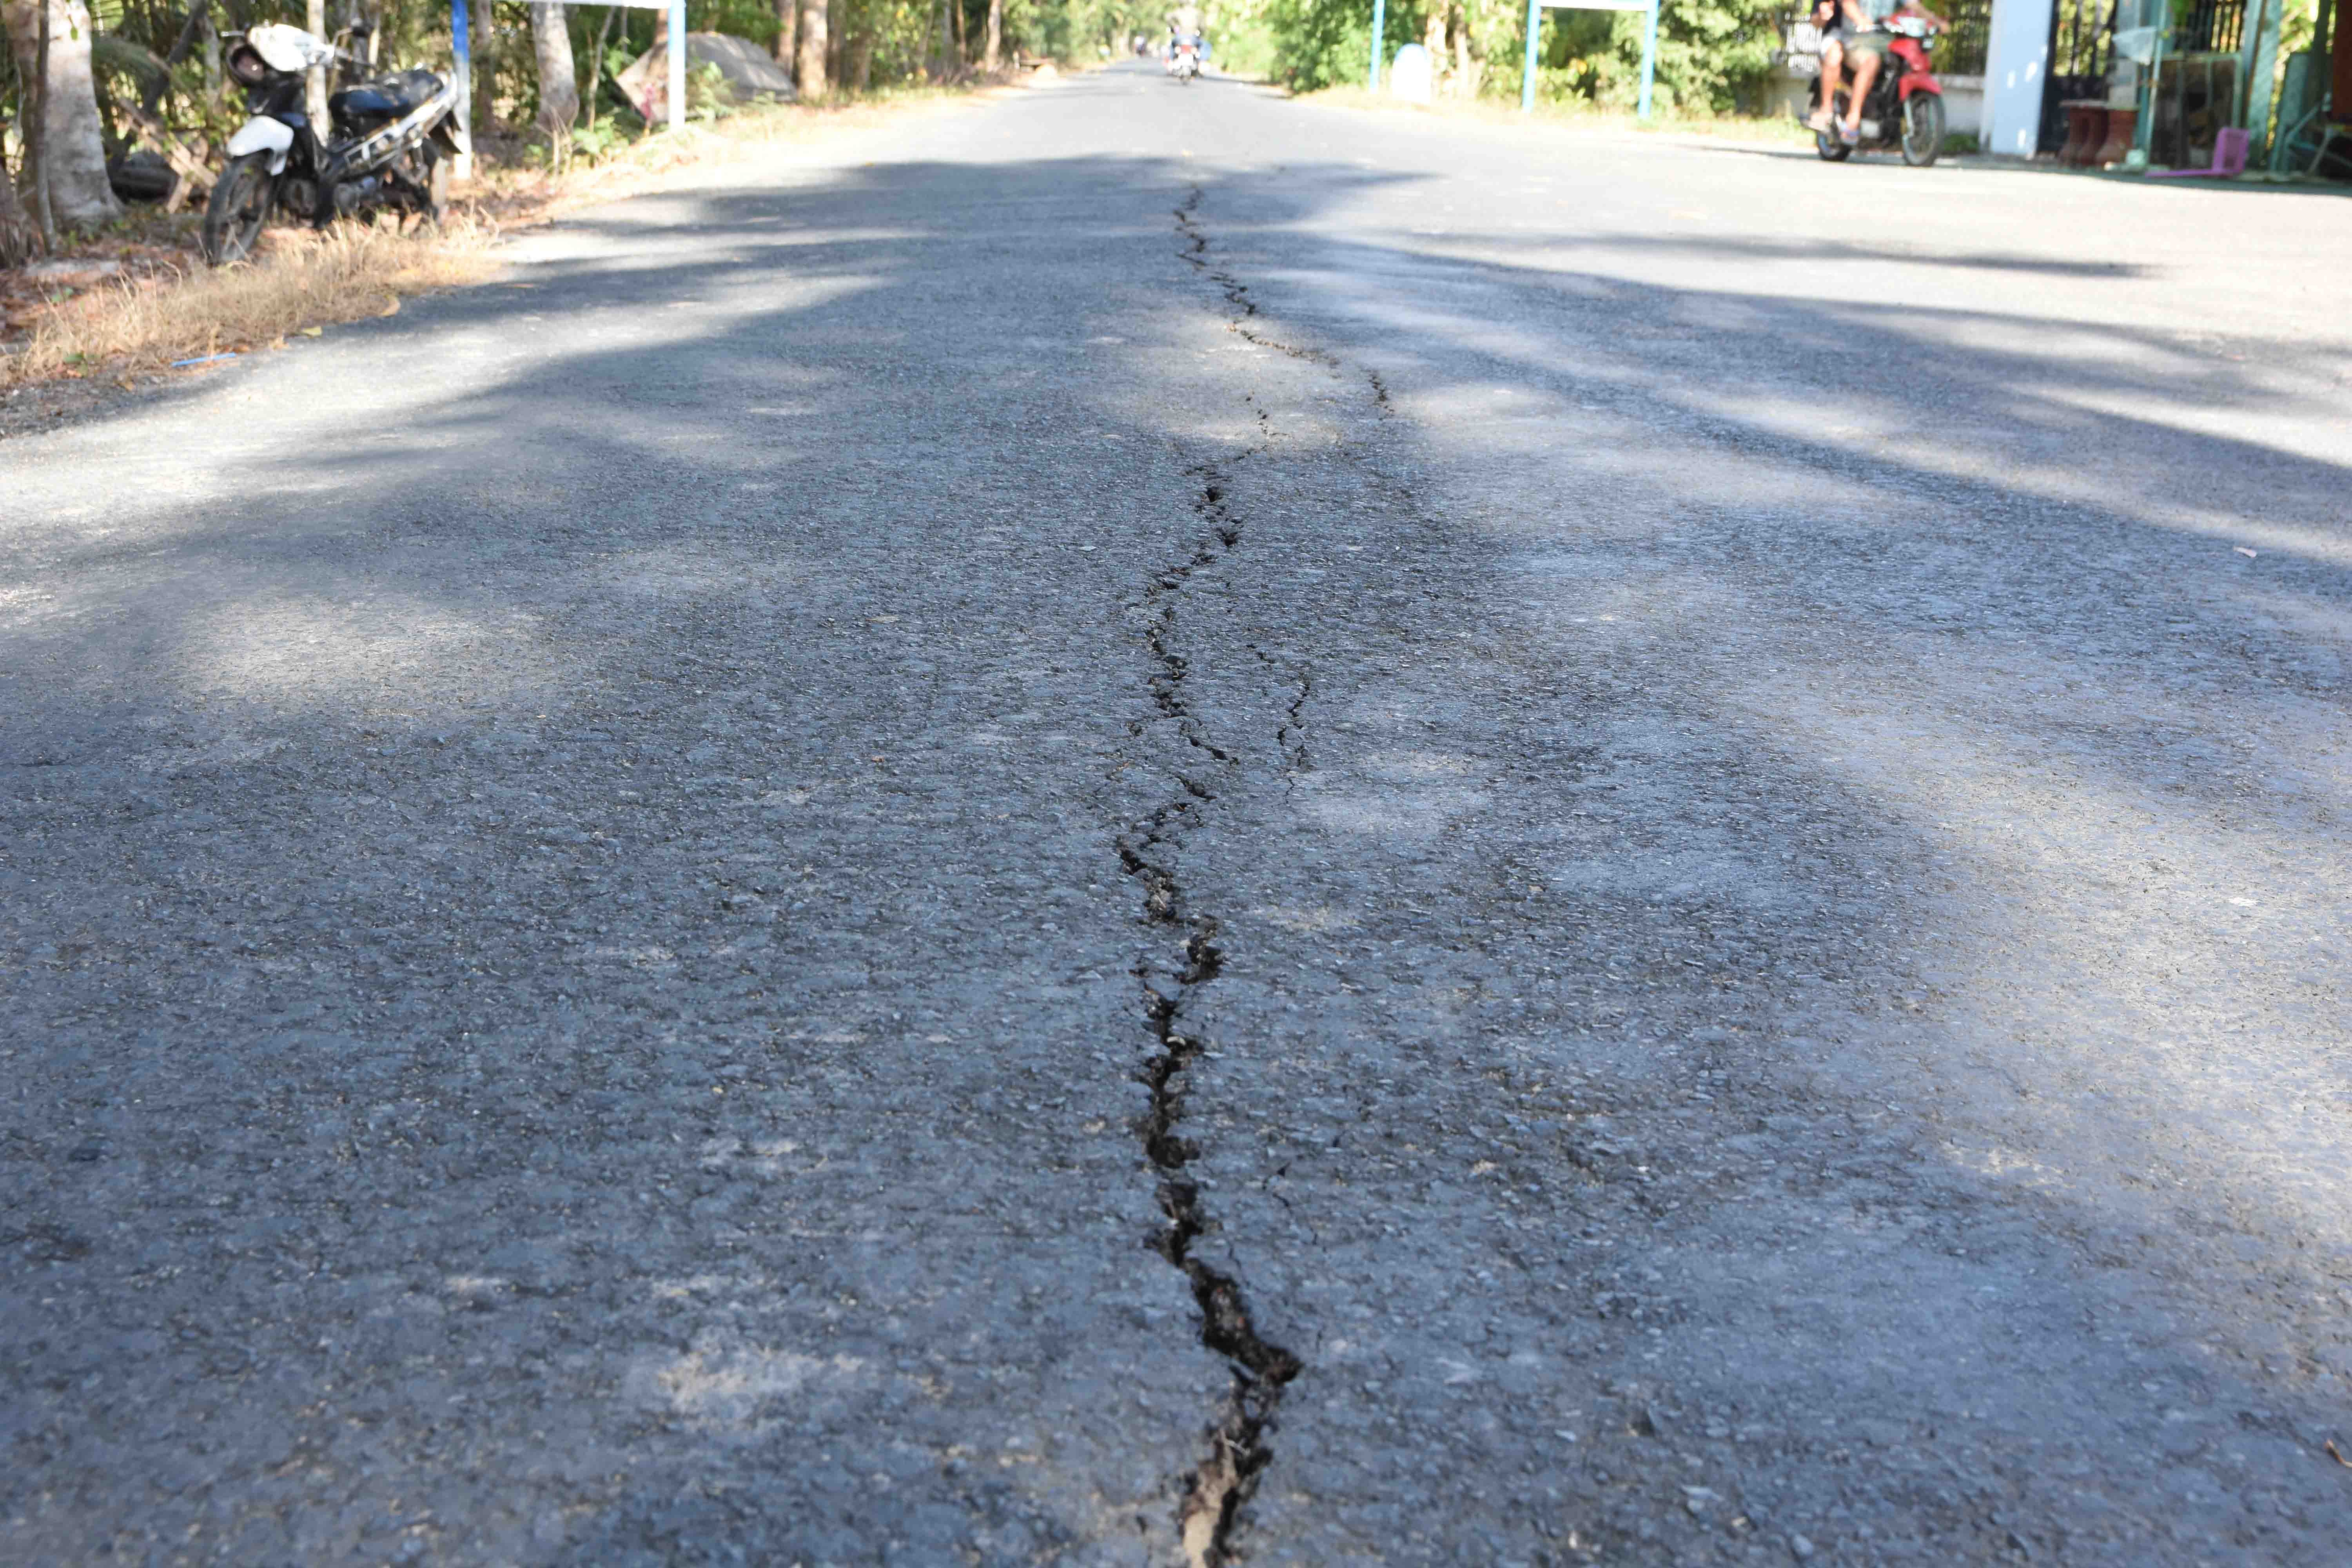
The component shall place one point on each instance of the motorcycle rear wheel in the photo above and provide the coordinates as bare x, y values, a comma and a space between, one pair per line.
1923, 129
240, 205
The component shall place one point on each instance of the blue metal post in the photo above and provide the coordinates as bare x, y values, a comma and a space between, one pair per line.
462, 51
677, 65
1649, 57
1380, 29
1527, 77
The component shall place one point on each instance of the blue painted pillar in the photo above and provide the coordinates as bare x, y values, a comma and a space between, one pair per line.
1649, 57
1380, 30
461, 42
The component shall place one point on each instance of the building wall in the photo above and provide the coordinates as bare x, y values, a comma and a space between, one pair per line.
2017, 59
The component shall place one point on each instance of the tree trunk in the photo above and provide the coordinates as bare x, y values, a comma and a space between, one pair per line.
314, 80
72, 157
20, 237
1466, 68
788, 34
995, 35
480, 29
814, 26
559, 88
1433, 38
596, 64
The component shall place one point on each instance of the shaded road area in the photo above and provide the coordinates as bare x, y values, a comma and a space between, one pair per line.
1146, 826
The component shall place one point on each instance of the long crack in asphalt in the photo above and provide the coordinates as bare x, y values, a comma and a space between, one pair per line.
1238, 1440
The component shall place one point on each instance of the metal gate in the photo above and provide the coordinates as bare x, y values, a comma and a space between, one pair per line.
2082, 48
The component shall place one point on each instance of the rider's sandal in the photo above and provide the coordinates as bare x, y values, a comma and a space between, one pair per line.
1850, 134
1819, 122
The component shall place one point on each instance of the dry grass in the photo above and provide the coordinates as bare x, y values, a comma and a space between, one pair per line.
303, 279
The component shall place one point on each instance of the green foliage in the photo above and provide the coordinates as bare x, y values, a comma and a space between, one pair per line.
1328, 43
1710, 52
594, 143
707, 95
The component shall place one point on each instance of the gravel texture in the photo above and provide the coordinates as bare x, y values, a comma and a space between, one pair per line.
1153, 824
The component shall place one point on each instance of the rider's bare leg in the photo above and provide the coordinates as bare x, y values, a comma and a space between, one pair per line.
1865, 72
1832, 67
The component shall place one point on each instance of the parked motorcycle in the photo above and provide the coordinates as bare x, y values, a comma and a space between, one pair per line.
1905, 111
388, 147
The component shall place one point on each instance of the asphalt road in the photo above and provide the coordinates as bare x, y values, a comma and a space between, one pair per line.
1142, 822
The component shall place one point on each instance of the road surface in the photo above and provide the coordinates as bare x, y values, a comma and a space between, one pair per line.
1142, 826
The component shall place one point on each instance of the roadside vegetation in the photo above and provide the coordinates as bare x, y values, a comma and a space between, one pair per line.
115, 115
135, 299
1713, 55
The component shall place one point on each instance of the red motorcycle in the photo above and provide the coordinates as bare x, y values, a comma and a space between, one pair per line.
1905, 111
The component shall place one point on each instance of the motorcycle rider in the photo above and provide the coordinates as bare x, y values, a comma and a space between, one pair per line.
1855, 31
1184, 28
1827, 22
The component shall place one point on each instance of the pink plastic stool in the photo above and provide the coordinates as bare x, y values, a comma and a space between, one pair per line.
2228, 159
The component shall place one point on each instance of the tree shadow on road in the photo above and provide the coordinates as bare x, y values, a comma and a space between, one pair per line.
671, 568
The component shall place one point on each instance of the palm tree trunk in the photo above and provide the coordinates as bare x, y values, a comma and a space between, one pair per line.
558, 87
71, 165
814, 26
20, 237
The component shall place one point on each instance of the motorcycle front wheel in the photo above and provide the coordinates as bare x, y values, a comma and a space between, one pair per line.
1923, 129
240, 205
1833, 147
423, 178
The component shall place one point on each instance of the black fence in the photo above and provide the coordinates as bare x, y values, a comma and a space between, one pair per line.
1961, 51
2082, 45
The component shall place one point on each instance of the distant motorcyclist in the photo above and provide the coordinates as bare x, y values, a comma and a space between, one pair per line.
1184, 51
1854, 32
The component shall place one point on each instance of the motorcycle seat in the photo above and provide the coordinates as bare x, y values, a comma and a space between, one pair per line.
386, 98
